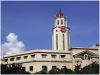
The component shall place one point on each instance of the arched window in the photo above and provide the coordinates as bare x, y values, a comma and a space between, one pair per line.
57, 22
61, 21
63, 42
89, 57
57, 41
44, 67
86, 56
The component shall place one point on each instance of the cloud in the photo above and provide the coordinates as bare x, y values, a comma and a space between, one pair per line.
12, 45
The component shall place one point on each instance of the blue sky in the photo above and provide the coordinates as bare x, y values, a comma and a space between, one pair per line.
33, 21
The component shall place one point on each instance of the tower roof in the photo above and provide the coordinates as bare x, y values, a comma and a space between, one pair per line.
59, 14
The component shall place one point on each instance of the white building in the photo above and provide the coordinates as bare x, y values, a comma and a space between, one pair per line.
60, 55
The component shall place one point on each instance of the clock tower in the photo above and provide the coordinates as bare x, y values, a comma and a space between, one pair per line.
60, 33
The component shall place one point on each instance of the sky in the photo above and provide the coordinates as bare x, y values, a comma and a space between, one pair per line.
31, 22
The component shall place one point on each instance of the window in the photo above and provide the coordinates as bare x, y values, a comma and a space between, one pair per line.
33, 56
54, 67
18, 58
85, 56
25, 57
89, 57
5, 60
23, 68
61, 21
62, 56
57, 41
44, 67
63, 43
44, 55
31, 68
18, 64
63, 67
53, 56
11, 59
58, 22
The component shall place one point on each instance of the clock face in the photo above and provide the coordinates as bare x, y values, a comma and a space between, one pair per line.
63, 29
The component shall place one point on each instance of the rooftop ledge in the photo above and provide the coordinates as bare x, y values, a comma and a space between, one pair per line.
39, 51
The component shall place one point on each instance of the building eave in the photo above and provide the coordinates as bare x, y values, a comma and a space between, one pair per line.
29, 61
95, 55
82, 48
39, 51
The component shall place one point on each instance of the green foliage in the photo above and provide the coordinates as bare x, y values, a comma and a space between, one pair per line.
17, 69
90, 69
43, 71
64, 70
12, 69
54, 71
77, 69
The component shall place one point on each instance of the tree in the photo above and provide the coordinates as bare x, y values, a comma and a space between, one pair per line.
77, 69
54, 70
12, 69
44, 70
65, 70
90, 69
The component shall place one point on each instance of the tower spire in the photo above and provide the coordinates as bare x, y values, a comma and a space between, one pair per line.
59, 14
60, 11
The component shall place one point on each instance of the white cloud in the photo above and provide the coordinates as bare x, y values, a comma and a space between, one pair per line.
12, 45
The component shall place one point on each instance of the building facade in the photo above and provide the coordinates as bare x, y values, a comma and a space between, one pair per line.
61, 55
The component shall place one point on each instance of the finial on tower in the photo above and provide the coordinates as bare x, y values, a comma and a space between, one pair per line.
60, 11
60, 14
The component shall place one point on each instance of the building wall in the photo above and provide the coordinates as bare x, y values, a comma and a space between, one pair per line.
57, 31
84, 62
37, 66
38, 61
